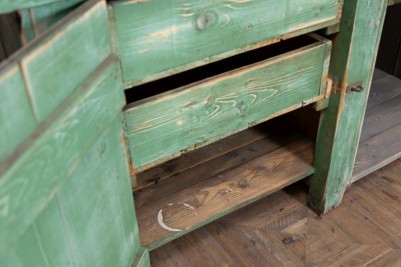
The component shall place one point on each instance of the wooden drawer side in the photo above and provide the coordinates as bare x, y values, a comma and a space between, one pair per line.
162, 127
162, 37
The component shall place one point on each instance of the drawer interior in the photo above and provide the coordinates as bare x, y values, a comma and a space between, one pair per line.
175, 115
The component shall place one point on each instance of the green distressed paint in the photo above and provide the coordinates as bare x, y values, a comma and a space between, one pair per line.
31, 176
16, 118
142, 259
63, 59
353, 59
26, 252
188, 34
53, 236
44, 17
163, 126
98, 212
7, 6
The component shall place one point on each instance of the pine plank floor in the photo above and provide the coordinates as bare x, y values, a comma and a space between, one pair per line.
280, 230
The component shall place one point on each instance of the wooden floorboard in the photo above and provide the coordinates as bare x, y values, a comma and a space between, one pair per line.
174, 214
383, 89
377, 152
381, 118
378, 74
380, 141
280, 230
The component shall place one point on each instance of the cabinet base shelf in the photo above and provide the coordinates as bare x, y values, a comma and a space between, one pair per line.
173, 213
380, 141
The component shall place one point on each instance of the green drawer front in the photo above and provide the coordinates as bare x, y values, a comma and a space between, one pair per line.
161, 37
162, 127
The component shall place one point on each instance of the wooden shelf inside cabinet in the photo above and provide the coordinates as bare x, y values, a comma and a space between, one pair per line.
380, 141
196, 196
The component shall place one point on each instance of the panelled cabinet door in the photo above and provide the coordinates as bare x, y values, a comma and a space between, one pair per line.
65, 192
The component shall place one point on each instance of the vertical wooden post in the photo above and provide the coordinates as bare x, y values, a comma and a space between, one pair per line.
353, 58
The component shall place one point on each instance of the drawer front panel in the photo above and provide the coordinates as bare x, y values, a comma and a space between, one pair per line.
162, 127
161, 37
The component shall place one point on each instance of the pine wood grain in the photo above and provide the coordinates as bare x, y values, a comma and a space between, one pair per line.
15, 126
90, 221
357, 233
353, 59
206, 201
104, 223
377, 152
12, 5
32, 174
382, 117
36, 20
213, 167
380, 141
198, 114
51, 81
383, 89
189, 34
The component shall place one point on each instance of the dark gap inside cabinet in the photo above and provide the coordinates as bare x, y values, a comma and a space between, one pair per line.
230, 152
141, 92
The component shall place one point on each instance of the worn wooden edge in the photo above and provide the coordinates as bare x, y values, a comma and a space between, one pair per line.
322, 24
268, 190
19, 155
275, 138
304, 103
202, 155
338, 132
383, 148
160, 243
320, 42
6, 8
54, 116
141, 259
113, 30
53, 31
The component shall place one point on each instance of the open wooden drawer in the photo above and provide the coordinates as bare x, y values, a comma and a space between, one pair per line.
187, 111
268, 82
161, 37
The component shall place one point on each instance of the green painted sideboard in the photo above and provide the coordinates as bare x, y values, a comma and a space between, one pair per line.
198, 72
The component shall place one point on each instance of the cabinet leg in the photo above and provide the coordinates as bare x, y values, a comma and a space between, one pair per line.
353, 58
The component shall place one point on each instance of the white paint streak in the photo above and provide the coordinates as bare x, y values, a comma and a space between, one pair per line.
187, 15
5, 205
240, 1
231, 6
163, 225
191, 207
164, 33
228, 189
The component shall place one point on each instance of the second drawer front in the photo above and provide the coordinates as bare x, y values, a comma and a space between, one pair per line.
163, 126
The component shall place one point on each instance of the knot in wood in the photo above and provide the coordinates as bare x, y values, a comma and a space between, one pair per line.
205, 20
